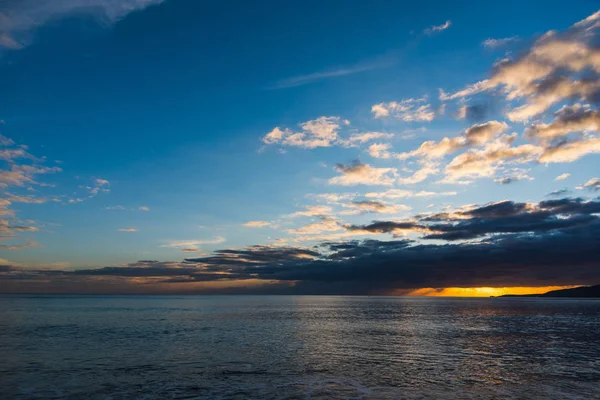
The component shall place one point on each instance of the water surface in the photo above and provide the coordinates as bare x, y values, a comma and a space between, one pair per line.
297, 347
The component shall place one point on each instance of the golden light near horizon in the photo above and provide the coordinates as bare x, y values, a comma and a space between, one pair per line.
482, 291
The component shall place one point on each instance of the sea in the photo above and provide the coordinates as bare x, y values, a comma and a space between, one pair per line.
297, 347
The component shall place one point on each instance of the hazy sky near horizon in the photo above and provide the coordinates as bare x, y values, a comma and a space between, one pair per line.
301, 146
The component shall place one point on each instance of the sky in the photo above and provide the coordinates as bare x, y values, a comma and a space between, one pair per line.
299, 147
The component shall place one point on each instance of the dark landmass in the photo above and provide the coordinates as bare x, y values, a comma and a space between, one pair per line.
582, 291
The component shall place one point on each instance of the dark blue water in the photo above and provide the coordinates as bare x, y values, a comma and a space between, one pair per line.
271, 347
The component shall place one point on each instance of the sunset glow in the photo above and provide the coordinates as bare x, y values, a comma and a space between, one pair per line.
482, 291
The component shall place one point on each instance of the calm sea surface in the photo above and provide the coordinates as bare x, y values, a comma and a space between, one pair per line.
271, 347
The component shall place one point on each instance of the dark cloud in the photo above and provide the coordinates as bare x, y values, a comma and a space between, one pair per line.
496, 218
553, 242
559, 192
476, 113
506, 180
136, 271
256, 254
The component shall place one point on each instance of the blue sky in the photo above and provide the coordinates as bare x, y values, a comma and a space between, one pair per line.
163, 126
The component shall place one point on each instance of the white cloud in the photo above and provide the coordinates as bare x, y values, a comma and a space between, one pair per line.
358, 173
312, 211
568, 119
257, 224
487, 161
494, 43
320, 132
127, 230
372, 206
570, 151
99, 185
327, 224
117, 207
548, 73
438, 28
400, 194
475, 135
592, 184
379, 150
192, 243
332, 198
368, 136
144, 208
562, 177
409, 110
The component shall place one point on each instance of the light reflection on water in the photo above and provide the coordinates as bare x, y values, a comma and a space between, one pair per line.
297, 347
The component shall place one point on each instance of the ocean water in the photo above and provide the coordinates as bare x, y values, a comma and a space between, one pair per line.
297, 347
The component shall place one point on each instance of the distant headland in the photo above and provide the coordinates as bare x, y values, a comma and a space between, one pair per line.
578, 292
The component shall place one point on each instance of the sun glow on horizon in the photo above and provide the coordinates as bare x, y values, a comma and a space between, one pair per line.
482, 291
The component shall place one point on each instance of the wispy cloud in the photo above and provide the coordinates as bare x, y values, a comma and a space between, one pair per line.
19, 19
257, 224
494, 43
438, 28
330, 73
127, 230
193, 243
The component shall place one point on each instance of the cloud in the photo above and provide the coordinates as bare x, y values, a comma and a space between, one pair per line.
331, 73
257, 224
6, 228
358, 173
412, 133
550, 72
504, 217
554, 90
570, 151
562, 177
368, 136
191, 243
321, 132
507, 180
475, 135
127, 230
117, 207
475, 112
560, 192
438, 28
568, 119
97, 186
26, 245
380, 150
552, 242
326, 224
315, 211
400, 194
495, 43
19, 19
331, 198
592, 184
20, 169
144, 208
487, 161
426, 169
20, 175
373, 206
409, 110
